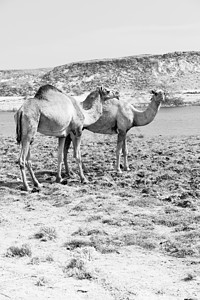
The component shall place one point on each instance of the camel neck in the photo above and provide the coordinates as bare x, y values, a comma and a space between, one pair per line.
92, 109
142, 118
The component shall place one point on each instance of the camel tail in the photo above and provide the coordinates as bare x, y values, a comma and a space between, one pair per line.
18, 121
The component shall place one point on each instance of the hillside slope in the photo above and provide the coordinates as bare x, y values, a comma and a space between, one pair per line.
20, 82
178, 73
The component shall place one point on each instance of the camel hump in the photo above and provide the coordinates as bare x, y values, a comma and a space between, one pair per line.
44, 90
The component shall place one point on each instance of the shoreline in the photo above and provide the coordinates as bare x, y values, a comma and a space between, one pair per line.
14, 108
139, 101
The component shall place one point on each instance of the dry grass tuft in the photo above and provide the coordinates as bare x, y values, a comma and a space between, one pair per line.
105, 244
78, 268
46, 233
177, 249
24, 250
189, 277
35, 260
77, 243
144, 239
42, 281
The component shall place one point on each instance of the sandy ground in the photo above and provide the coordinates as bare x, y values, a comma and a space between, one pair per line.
134, 236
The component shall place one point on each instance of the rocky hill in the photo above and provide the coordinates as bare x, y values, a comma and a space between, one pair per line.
178, 73
20, 82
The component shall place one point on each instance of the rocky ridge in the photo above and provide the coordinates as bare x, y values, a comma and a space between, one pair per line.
178, 73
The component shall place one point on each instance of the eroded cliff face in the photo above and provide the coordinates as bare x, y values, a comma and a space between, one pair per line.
178, 73
175, 70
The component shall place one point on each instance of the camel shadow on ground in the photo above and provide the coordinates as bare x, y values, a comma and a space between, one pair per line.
48, 176
14, 185
44, 176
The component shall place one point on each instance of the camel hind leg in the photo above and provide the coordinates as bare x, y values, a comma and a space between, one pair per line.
61, 143
120, 144
125, 154
24, 161
29, 166
68, 141
77, 153
70, 138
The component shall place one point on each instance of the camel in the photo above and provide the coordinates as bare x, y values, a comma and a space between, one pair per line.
118, 118
53, 113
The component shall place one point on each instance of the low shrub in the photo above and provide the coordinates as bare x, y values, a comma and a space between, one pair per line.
24, 250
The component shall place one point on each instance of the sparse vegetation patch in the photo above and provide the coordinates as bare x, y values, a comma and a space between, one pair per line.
78, 268
46, 233
19, 251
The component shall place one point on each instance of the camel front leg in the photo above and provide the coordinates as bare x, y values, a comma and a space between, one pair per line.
77, 155
125, 154
70, 138
120, 140
61, 143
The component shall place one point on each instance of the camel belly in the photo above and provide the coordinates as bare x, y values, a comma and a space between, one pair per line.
103, 126
53, 126
56, 119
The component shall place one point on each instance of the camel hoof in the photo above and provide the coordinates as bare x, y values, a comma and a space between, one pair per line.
84, 180
127, 169
58, 180
38, 186
26, 189
36, 189
64, 181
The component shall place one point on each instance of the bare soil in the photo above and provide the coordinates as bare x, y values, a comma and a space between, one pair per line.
133, 236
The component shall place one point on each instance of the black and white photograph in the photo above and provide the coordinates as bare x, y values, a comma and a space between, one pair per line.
100, 150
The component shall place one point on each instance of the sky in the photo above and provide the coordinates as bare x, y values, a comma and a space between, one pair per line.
49, 33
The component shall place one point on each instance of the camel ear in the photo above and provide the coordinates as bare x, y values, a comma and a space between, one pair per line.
100, 89
154, 92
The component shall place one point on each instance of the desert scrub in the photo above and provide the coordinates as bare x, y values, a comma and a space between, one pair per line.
89, 231
37, 260
144, 239
172, 218
77, 243
177, 249
78, 268
105, 244
86, 253
46, 233
42, 281
34, 261
49, 258
24, 250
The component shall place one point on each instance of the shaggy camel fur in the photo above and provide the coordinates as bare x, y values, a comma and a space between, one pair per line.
118, 118
53, 113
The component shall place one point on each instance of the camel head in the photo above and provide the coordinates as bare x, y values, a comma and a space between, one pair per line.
107, 94
158, 96
100, 95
